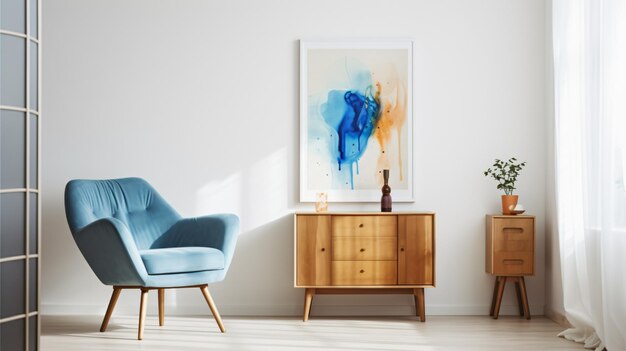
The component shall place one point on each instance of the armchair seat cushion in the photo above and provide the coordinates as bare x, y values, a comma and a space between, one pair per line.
182, 260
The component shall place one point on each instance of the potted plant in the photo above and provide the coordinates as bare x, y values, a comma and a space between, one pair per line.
505, 173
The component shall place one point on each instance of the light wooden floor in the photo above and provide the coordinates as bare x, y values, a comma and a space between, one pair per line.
70, 333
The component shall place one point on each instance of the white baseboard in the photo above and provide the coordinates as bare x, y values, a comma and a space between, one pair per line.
294, 310
557, 317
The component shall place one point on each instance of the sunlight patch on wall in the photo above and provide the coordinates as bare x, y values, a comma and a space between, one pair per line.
257, 194
220, 196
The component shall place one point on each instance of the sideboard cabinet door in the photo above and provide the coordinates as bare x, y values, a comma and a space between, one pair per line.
415, 250
313, 250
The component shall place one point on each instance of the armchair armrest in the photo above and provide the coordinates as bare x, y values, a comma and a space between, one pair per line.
218, 231
110, 251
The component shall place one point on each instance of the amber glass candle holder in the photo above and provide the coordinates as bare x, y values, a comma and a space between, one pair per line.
321, 202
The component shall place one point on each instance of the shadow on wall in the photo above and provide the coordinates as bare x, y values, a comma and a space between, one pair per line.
260, 280
261, 274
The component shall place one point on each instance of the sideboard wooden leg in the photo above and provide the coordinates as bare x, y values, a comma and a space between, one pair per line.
501, 285
419, 306
308, 300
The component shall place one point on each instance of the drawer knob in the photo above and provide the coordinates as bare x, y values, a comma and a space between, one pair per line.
362, 271
323, 249
362, 250
361, 225
402, 249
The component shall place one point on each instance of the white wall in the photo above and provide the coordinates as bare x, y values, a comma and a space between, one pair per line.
201, 99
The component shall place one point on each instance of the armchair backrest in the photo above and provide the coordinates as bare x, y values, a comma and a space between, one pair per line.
130, 200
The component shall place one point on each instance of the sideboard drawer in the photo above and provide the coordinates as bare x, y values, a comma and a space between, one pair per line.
513, 263
364, 273
381, 248
364, 226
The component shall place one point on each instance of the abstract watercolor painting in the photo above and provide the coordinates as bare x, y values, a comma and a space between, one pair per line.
355, 120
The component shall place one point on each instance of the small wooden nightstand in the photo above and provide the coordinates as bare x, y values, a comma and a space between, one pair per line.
510, 255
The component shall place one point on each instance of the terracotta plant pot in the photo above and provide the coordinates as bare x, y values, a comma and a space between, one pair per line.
508, 204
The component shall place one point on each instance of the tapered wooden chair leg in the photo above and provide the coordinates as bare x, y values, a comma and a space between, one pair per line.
209, 301
112, 302
161, 307
142, 312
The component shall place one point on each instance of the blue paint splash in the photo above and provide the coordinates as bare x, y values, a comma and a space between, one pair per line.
353, 115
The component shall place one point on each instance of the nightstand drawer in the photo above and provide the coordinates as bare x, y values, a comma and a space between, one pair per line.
513, 263
364, 273
365, 226
513, 234
380, 248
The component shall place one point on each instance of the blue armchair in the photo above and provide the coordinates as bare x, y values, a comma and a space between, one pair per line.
133, 239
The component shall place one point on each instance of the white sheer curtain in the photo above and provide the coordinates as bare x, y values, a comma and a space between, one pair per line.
589, 38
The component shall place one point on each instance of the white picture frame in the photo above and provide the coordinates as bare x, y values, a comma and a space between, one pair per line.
387, 103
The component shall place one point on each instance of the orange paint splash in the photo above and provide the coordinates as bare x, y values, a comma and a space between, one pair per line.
392, 119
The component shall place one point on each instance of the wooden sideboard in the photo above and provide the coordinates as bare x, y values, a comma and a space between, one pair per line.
364, 252
510, 255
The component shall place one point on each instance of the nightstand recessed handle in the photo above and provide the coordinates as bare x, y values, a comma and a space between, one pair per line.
362, 249
323, 249
513, 262
402, 249
362, 271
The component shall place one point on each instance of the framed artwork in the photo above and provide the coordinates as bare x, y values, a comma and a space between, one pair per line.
356, 119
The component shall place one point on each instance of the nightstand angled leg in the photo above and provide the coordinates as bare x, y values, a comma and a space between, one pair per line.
524, 296
419, 305
494, 296
501, 285
518, 293
308, 300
